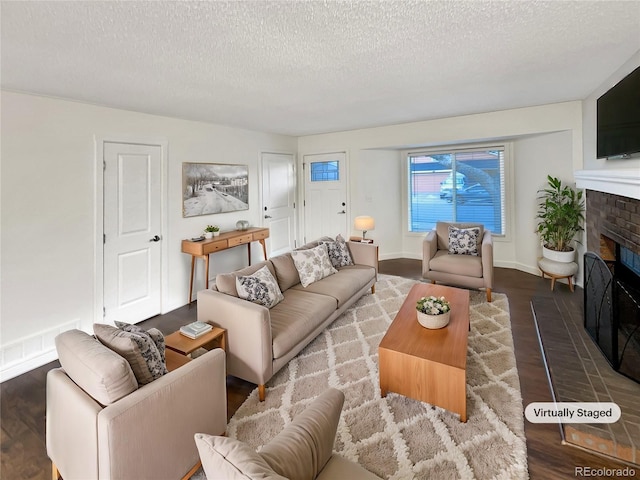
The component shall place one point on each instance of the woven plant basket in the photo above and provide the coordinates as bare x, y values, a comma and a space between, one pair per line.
433, 321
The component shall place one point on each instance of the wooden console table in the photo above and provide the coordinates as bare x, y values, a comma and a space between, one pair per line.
224, 241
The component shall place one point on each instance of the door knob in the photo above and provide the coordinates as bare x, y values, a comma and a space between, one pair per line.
342, 212
155, 239
267, 216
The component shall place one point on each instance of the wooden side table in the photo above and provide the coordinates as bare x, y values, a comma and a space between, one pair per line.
216, 337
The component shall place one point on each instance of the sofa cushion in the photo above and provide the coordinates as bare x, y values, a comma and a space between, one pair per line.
344, 284
293, 319
463, 241
338, 252
103, 374
137, 348
466, 265
232, 459
312, 264
286, 272
226, 282
260, 287
442, 232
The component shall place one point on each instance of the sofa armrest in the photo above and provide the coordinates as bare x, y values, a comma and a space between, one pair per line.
364, 254
160, 420
487, 259
248, 325
429, 249
71, 429
305, 445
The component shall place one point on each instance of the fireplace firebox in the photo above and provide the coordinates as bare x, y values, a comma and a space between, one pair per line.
612, 308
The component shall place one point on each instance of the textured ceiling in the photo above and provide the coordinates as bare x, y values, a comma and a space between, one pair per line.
316, 66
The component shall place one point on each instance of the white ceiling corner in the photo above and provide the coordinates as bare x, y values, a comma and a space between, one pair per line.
305, 67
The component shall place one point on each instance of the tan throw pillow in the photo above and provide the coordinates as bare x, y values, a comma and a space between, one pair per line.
137, 348
312, 264
260, 288
231, 459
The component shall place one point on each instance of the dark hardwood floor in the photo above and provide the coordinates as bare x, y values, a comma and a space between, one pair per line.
22, 399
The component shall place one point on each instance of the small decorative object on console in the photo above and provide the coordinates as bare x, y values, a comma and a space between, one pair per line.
195, 329
211, 231
433, 312
242, 224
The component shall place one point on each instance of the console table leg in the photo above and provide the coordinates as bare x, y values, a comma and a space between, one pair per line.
193, 265
264, 247
206, 272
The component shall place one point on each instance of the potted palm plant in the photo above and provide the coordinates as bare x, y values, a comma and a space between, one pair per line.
560, 219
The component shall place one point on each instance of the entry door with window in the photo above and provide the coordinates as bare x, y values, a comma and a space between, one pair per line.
325, 195
279, 196
132, 231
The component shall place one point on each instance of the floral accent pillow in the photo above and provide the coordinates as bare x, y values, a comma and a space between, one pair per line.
463, 241
338, 252
137, 347
313, 264
260, 288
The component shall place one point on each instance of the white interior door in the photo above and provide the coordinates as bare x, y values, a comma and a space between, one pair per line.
132, 231
279, 195
325, 206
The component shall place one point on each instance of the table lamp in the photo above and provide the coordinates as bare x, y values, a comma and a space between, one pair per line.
364, 223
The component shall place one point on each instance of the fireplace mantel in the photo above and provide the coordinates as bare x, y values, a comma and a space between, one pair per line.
623, 182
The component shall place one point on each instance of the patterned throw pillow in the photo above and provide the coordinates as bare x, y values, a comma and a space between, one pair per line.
463, 241
312, 264
260, 288
155, 334
338, 252
137, 347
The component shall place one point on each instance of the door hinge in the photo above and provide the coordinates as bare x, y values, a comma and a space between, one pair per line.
294, 204
104, 238
104, 312
104, 165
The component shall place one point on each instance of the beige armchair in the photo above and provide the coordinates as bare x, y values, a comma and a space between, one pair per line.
101, 425
472, 271
304, 449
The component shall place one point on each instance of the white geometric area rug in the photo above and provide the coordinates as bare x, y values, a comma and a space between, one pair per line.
397, 437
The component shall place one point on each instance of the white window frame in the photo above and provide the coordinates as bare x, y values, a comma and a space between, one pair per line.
509, 207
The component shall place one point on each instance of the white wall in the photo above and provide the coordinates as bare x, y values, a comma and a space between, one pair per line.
589, 122
546, 140
48, 221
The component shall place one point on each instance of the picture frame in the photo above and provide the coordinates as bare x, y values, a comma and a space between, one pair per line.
210, 188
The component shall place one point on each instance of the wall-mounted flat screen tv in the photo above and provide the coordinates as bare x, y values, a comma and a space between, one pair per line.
618, 114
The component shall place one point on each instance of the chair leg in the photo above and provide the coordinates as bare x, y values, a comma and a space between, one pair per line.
489, 295
193, 470
433, 282
570, 284
373, 289
55, 473
261, 392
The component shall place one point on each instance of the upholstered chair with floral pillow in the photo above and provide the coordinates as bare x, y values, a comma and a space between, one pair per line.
459, 254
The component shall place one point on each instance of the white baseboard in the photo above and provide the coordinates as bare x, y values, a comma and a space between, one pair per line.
33, 351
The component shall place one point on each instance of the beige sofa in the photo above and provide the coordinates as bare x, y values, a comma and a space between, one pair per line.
260, 341
304, 449
472, 271
101, 425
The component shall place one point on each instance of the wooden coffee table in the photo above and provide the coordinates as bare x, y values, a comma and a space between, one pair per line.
423, 364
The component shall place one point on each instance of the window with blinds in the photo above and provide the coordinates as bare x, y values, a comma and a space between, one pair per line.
459, 186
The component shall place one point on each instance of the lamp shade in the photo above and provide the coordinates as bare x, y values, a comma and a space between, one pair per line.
364, 223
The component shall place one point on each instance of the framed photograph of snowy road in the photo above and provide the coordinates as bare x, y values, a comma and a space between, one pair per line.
209, 188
